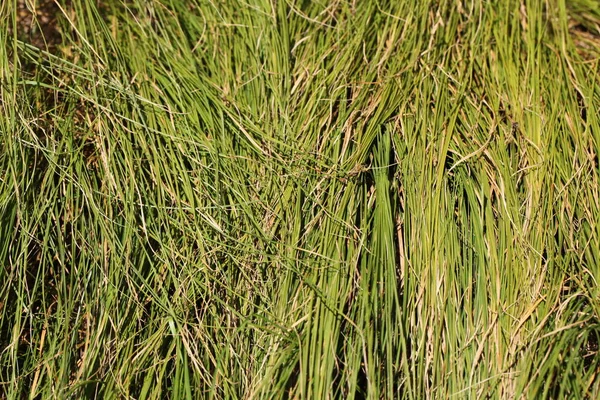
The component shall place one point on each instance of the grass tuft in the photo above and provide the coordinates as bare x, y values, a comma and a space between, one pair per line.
307, 200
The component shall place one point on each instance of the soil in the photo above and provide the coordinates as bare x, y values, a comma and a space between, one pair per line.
586, 37
37, 23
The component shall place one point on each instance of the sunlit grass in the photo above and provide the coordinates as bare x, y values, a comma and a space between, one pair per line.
305, 200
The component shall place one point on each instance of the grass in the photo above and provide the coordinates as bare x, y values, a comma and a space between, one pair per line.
292, 199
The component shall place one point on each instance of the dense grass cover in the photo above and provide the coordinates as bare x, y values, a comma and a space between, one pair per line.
296, 199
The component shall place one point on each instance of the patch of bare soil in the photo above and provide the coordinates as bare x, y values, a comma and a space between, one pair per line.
586, 36
37, 23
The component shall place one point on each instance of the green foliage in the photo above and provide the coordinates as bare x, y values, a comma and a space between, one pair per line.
292, 199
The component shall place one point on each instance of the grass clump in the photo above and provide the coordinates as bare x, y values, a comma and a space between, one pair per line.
296, 199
